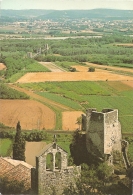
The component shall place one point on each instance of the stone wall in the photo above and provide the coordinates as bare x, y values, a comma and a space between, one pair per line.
95, 133
58, 180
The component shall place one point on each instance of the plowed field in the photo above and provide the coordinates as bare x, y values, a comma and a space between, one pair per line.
69, 120
72, 76
31, 114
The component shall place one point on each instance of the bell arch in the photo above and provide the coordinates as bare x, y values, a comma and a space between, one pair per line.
49, 162
58, 160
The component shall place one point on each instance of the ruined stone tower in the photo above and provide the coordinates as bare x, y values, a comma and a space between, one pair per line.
52, 171
103, 132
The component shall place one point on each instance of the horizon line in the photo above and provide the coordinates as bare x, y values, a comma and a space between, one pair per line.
67, 9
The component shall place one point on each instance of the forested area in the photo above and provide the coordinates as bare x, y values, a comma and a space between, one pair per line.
96, 50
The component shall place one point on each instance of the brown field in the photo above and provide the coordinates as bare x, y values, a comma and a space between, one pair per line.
121, 86
2, 66
30, 113
69, 120
32, 150
129, 83
72, 76
40, 98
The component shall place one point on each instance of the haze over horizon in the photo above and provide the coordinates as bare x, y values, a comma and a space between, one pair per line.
67, 4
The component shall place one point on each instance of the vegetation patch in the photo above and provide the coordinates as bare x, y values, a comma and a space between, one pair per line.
5, 147
8, 93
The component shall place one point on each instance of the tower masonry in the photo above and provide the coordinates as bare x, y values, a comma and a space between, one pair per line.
103, 132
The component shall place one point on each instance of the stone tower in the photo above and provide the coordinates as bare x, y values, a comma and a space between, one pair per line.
52, 171
103, 132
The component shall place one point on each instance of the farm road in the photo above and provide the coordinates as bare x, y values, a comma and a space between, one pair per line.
53, 67
40, 98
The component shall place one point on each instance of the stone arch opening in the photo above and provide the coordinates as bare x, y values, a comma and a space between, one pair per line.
49, 162
58, 160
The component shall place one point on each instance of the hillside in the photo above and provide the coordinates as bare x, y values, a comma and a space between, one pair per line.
67, 14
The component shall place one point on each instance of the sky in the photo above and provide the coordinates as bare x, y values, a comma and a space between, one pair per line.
66, 4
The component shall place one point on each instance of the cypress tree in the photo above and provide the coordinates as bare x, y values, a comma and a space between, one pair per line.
19, 144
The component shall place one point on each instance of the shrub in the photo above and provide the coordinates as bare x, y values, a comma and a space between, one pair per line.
91, 69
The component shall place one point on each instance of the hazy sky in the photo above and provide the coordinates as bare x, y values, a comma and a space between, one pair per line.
66, 4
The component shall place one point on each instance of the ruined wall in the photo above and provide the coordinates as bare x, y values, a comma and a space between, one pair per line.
103, 132
112, 131
95, 133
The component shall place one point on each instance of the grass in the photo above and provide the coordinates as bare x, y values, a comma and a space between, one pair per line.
78, 87
61, 100
36, 67
65, 146
66, 65
15, 77
5, 147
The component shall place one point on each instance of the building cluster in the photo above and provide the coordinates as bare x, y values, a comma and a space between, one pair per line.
66, 26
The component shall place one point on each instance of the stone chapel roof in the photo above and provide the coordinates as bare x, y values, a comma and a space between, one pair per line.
47, 147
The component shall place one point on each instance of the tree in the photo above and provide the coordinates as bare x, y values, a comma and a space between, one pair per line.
19, 144
91, 69
72, 69
104, 173
12, 186
79, 151
79, 122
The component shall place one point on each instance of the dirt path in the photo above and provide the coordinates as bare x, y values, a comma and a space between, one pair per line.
110, 67
2, 66
125, 44
40, 98
51, 66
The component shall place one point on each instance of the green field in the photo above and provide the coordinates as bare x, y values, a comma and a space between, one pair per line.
61, 100
83, 95
5, 147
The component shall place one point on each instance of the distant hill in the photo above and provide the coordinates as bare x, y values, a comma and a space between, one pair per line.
68, 14
89, 14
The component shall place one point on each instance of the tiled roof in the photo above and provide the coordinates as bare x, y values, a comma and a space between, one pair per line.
16, 170
17, 162
20, 173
